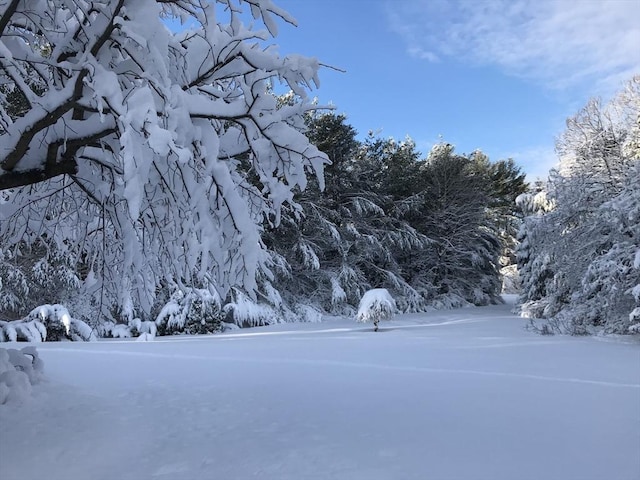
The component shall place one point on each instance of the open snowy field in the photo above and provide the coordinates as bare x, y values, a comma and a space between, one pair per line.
464, 394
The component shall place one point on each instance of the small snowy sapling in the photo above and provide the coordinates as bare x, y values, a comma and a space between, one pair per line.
376, 305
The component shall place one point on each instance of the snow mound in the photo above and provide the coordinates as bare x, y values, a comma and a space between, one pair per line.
376, 304
19, 369
145, 337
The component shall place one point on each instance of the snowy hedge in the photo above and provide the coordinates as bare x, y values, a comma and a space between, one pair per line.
19, 369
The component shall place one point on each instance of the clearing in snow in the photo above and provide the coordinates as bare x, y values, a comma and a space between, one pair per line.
464, 394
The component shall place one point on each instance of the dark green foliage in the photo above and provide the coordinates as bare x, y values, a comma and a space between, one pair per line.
203, 317
14, 100
38, 274
194, 313
390, 168
431, 231
451, 208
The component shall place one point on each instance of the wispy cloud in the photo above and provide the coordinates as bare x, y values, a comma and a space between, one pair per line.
558, 43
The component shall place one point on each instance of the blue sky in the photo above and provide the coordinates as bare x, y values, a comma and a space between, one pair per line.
497, 75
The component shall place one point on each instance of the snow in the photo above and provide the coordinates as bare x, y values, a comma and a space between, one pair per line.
247, 313
19, 369
376, 304
33, 328
145, 337
464, 394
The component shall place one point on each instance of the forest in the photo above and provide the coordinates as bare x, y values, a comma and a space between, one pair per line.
164, 187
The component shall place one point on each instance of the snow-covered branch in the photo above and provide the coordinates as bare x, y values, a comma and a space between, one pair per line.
174, 144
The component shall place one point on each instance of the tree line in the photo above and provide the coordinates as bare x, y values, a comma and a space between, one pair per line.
431, 230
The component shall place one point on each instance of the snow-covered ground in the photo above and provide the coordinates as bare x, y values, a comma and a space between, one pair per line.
464, 394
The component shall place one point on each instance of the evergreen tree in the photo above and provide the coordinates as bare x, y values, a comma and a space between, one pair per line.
341, 243
463, 265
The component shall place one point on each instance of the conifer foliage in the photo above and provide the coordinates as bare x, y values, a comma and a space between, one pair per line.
431, 231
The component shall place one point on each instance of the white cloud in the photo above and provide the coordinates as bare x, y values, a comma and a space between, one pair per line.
559, 43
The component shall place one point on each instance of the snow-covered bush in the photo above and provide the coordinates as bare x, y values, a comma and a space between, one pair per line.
634, 319
46, 323
245, 312
60, 325
303, 313
376, 305
145, 337
19, 369
144, 328
114, 330
198, 311
135, 328
22, 331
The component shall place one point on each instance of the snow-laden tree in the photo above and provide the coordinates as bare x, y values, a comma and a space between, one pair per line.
534, 263
609, 293
451, 206
146, 158
46, 323
431, 232
343, 242
579, 264
505, 181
